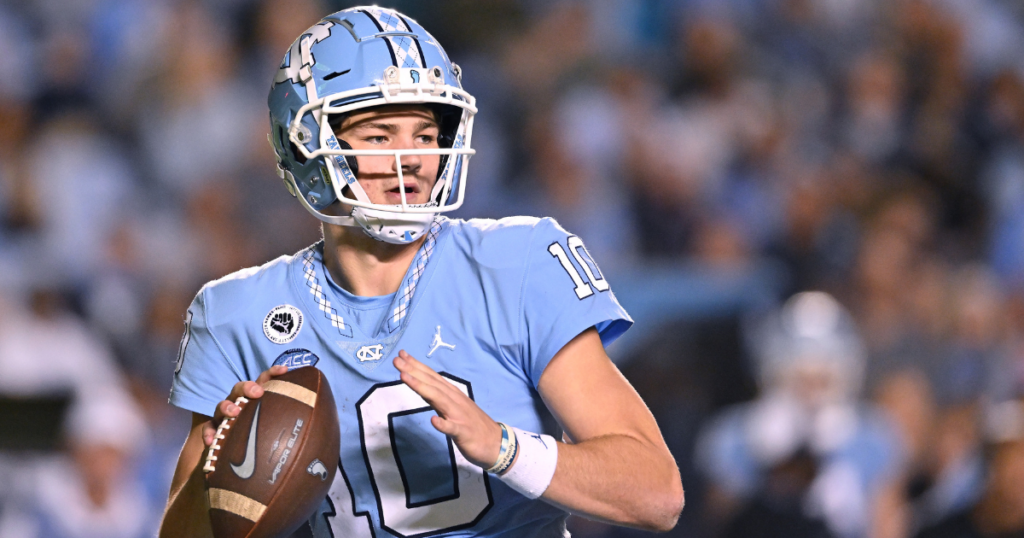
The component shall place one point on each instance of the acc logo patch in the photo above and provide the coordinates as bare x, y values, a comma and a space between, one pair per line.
297, 358
282, 324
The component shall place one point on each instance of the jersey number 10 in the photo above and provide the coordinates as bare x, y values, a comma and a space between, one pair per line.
575, 244
380, 410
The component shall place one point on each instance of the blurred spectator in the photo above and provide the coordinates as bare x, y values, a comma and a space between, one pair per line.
200, 110
81, 186
1000, 510
90, 491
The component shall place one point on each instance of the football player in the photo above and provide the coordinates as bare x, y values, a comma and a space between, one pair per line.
811, 361
466, 357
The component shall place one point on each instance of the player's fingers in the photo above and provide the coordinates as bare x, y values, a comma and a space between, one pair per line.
423, 386
271, 372
237, 390
406, 366
438, 399
246, 389
209, 430
438, 383
253, 390
406, 362
444, 426
415, 364
225, 409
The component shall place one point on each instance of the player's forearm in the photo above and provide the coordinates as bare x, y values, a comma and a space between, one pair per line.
618, 479
186, 513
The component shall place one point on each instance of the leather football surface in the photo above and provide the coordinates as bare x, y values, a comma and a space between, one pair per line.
276, 460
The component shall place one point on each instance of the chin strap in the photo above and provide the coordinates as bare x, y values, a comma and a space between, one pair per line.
392, 227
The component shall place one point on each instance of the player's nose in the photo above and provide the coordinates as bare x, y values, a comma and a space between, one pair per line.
411, 164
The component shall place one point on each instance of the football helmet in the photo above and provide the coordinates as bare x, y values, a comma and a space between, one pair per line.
811, 341
352, 60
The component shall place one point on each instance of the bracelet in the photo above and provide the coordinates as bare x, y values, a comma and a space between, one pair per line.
532, 473
511, 456
509, 448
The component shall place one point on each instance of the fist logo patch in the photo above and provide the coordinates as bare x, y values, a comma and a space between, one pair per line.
282, 324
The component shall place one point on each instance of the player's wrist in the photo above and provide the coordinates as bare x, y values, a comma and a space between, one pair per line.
531, 467
506, 452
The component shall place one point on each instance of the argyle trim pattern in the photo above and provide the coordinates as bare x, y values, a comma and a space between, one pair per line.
313, 283
419, 265
406, 52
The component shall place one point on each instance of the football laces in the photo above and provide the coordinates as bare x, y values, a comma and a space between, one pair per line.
210, 465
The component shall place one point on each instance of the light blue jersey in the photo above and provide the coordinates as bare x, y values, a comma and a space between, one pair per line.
485, 303
859, 454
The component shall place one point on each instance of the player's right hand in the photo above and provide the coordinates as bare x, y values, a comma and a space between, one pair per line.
227, 407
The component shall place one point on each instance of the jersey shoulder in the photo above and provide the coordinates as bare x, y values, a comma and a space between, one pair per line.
497, 242
227, 297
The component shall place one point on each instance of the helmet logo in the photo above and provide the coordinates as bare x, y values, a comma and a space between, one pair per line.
299, 55
415, 76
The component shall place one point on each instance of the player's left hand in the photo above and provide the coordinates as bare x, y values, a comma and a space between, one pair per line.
477, 435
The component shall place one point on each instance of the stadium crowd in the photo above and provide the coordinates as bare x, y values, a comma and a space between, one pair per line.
870, 149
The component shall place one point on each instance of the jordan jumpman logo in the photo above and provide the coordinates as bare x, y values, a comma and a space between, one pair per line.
438, 343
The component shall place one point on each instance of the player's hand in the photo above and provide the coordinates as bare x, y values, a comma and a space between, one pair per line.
476, 434
227, 407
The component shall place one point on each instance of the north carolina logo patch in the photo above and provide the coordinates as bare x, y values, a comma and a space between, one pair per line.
370, 353
282, 324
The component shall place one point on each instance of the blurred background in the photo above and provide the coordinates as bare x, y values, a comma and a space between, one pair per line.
719, 157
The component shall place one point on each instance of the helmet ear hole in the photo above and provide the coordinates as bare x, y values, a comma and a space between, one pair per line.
448, 119
296, 153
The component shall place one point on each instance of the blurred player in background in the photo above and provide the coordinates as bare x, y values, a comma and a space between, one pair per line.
806, 452
429, 329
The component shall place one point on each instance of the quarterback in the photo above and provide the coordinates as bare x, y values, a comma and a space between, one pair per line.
467, 358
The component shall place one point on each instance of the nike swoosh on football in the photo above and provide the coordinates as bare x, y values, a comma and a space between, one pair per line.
244, 471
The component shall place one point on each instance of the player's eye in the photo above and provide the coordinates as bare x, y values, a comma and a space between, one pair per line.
376, 139
426, 139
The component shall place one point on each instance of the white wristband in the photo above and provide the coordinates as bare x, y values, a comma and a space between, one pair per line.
534, 467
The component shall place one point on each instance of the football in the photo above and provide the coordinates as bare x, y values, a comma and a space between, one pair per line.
269, 468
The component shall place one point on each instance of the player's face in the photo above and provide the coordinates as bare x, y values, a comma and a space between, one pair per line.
390, 128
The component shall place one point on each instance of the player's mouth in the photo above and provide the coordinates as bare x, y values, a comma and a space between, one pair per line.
412, 191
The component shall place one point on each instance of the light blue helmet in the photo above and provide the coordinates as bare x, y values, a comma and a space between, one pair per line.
811, 333
355, 59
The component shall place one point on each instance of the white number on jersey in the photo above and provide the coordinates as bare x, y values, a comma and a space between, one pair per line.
184, 341
583, 289
378, 410
343, 519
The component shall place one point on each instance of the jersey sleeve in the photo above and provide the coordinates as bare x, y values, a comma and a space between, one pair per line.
204, 374
564, 294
